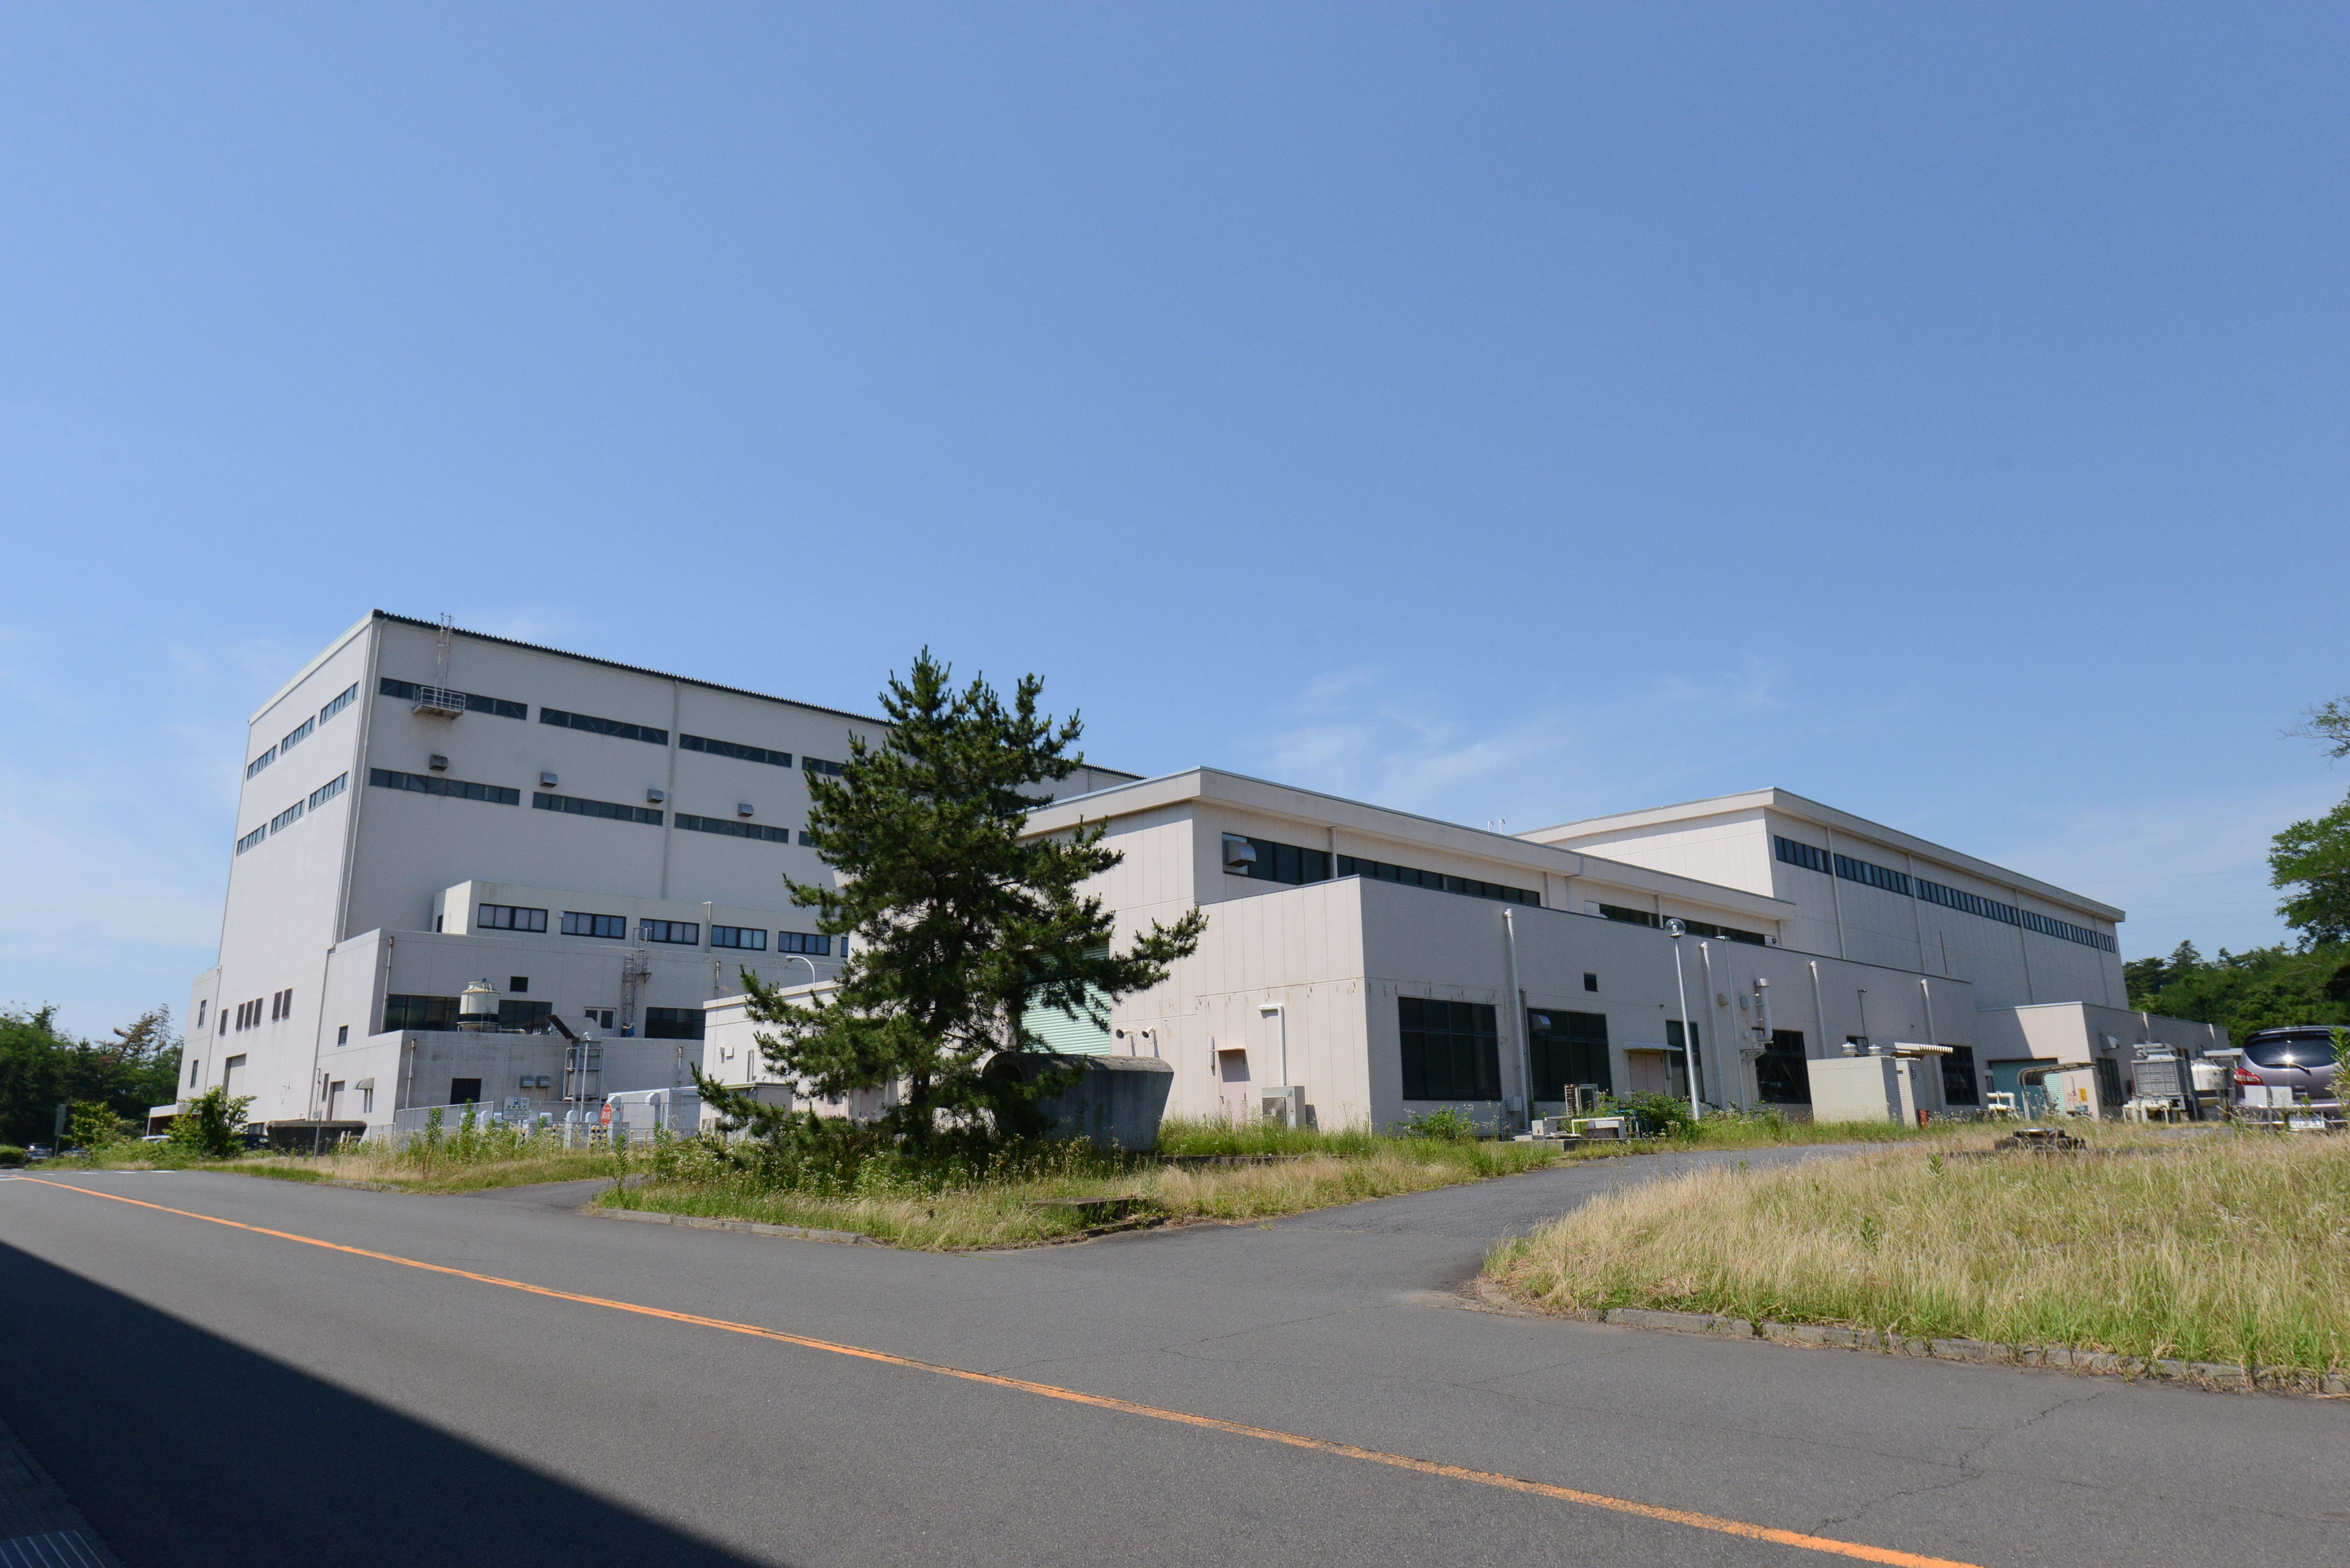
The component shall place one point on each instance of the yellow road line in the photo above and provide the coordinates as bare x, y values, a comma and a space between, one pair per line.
1822, 1544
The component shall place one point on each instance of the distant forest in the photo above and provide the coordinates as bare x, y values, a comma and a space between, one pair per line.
2305, 981
41, 1067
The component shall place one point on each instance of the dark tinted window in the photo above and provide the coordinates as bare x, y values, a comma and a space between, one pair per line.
672, 1024
1568, 1048
1451, 1050
1781, 1075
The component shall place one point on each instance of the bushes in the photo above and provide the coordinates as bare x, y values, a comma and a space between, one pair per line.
213, 1125
11, 1157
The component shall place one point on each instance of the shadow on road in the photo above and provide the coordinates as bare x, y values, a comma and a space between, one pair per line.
187, 1451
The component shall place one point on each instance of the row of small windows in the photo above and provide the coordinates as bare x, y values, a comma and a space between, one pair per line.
248, 1014
302, 731
580, 923
1814, 859
615, 727
1654, 921
1268, 861
502, 708
575, 806
731, 828
619, 728
293, 814
456, 789
734, 749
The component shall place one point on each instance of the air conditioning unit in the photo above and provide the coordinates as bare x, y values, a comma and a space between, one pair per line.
1282, 1106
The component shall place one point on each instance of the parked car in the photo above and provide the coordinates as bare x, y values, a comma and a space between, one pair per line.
2300, 1058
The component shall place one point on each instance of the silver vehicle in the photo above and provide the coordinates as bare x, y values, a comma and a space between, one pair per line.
2300, 1058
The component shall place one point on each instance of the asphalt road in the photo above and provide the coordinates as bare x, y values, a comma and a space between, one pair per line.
211, 1394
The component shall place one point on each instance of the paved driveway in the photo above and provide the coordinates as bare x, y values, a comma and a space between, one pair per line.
205, 1392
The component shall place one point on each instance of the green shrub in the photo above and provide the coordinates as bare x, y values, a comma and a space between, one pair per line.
91, 1125
1446, 1124
11, 1157
1666, 1117
213, 1125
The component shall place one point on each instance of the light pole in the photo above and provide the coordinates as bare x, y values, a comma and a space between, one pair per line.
1676, 930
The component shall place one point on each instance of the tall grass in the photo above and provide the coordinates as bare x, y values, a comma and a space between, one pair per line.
2221, 1248
1012, 1202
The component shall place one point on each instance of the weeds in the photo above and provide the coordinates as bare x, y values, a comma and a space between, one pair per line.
2228, 1247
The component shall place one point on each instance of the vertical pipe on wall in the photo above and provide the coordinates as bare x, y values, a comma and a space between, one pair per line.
1819, 1011
1518, 1013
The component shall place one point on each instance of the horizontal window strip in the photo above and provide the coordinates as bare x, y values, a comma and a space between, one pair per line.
819, 765
1816, 859
1809, 856
734, 749
595, 726
286, 818
500, 707
250, 839
330, 790
733, 828
348, 696
1871, 875
455, 789
574, 807
1380, 871
261, 761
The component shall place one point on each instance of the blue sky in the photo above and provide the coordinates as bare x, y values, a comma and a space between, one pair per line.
1502, 411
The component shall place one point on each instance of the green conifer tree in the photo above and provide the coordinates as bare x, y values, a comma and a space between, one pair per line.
962, 929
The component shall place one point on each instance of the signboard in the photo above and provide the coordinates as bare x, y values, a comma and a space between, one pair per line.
517, 1107
605, 1116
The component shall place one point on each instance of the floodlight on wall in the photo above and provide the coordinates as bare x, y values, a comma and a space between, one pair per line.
1239, 851
655, 797
437, 763
548, 780
742, 808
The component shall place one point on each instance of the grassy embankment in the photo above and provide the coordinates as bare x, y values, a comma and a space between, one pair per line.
1302, 1169
2218, 1247
1013, 1205
462, 1160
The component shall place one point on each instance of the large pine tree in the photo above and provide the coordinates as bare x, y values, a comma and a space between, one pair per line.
962, 927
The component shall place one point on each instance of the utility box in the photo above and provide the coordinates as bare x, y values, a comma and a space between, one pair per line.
1871, 1088
1283, 1106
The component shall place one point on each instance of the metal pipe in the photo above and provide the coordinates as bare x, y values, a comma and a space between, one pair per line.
1674, 928
1518, 1012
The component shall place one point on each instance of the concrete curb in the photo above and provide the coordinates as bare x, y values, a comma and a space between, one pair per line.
788, 1232
2220, 1377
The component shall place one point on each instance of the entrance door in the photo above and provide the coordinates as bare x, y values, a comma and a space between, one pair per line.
1232, 1083
334, 1101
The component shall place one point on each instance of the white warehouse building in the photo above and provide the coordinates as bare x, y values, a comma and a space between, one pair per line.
580, 857
426, 809
1386, 963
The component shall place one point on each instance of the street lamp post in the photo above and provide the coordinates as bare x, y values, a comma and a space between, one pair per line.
1676, 930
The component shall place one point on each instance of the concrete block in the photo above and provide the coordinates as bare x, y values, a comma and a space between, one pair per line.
1674, 1322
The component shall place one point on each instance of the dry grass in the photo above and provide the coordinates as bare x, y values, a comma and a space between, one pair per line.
1004, 1213
2214, 1247
509, 1162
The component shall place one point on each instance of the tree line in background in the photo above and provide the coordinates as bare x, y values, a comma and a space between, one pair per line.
2303, 982
42, 1067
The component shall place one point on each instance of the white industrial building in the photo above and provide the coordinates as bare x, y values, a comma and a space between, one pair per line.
1385, 963
424, 809
594, 851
